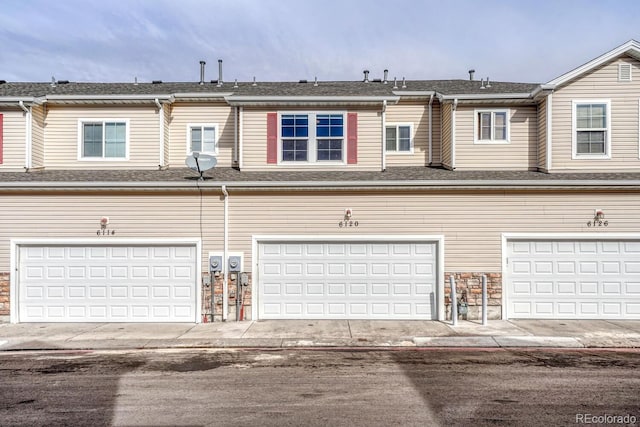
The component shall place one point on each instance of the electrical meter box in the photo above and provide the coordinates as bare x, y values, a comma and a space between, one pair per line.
215, 263
235, 264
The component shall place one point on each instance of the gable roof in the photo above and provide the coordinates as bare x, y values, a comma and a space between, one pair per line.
631, 48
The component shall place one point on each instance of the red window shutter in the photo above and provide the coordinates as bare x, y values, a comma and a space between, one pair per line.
352, 138
1, 135
272, 138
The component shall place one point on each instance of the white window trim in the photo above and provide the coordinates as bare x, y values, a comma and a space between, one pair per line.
312, 147
203, 125
491, 141
127, 139
574, 130
397, 125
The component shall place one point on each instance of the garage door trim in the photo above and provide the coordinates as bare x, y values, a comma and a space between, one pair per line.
510, 237
16, 243
350, 238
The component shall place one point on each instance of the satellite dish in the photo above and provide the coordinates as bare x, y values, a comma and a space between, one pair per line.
201, 162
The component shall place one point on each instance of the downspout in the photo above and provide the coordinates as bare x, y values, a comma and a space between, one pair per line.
225, 255
431, 129
28, 145
453, 134
549, 131
384, 131
161, 130
240, 136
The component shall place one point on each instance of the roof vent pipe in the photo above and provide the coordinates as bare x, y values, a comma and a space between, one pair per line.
219, 72
481, 83
386, 76
395, 83
366, 76
404, 83
202, 64
471, 74
53, 81
488, 84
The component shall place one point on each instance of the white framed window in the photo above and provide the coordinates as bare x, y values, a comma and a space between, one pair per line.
492, 126
591, 129
312, 137
202, 137
399, 138
103, 139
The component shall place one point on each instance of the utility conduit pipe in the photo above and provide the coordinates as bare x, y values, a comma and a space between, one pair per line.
454, 301
484, 300
225, 256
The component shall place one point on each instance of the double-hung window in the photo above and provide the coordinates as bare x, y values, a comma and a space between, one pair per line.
312, 137
398, 138
103, 139
592, 129
202, 138
492, 126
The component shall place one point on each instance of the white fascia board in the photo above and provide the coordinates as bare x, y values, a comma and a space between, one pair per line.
244, 99
632, 47
425, 93
223, 95
150, 97
16, 99
474, 96
324, 184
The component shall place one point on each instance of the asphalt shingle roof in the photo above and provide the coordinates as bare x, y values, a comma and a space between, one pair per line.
406, 175
336, 88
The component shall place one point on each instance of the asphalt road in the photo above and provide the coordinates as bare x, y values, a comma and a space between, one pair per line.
319, 387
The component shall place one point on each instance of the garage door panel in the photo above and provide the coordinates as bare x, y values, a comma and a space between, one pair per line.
342, 280
588, 279
107, 283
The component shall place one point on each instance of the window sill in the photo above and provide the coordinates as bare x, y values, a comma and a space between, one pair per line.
590, 157
399, 153
491, 142
103, 159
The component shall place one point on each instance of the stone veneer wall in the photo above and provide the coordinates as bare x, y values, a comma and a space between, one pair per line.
4, 294
233, 284
469, 284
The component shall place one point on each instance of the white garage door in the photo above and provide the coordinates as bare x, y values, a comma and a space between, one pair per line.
586, 279
347, 280
107, 283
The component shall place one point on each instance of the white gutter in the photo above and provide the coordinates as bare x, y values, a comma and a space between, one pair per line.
431, 128
407, 184
384, 131
549, 131
453, 134
28, 148
202, 95
240, 137
161, 130
474, 96
108, 97
225, 256
257, 100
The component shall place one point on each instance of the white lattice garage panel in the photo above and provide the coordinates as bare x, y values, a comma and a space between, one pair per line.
107, 283
347, 280
566, 279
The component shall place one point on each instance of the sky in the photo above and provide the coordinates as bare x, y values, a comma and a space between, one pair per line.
288, 40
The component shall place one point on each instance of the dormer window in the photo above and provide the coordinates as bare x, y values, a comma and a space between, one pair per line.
103, 139
492, 126
312, 138
202, 138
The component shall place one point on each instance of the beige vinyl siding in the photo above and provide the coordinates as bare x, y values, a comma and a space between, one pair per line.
61, 137
447, 110
37, 136
131, 215
436, 138
601, 83
472, 222
255, 139
184, 114
13, 143
417, 115
519, 154
542, 134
